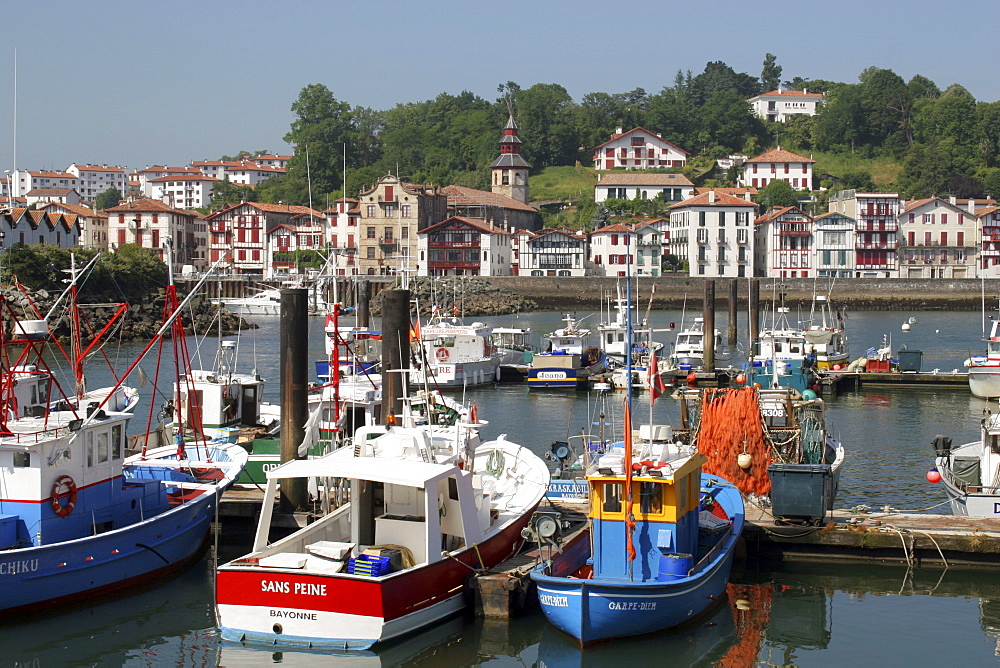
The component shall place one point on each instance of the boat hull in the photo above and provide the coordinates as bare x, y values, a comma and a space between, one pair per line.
39, 578
462, 374
984, 381
353, 612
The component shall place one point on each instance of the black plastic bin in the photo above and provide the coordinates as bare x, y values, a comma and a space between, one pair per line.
909, 360
801, 491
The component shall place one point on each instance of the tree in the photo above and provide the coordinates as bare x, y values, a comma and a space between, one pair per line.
545, 122
243, 154
107, 199
777, 193
860, 180
321, 128
965, 187
922, 87
887, 102
719, 77
672, 262
770, 75
727, 121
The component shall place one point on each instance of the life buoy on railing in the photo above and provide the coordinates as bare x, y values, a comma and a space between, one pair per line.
58, 496
442, 354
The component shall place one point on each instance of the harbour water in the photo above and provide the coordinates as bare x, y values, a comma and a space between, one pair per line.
777, 614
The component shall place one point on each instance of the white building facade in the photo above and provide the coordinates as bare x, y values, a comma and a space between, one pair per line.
780, 105
550, 252
96, 179
183, 191
713, 233
641, 185
783, 244
834, 238
778, 164
938, 239
638, 149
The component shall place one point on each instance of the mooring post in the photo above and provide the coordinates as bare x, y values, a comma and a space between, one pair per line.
733, 296
754, 300
708, 319
294, 339
364, 305
395, 349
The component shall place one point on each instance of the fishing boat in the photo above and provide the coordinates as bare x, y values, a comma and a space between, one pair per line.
826, 335
984, 370
569, 361
428, 505
661, 551
80, 518
455, 355
689, 348
970, 473
267, 301
775, 445
614, 334
513, 344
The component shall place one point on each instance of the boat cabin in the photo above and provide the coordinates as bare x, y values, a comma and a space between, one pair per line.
666, 506
459, 343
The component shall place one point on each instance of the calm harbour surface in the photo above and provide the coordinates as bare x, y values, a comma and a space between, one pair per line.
777, 614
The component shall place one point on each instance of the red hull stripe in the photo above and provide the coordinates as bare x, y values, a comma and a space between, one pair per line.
49, 499
390, 597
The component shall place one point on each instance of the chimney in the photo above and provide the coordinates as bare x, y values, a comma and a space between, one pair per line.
953, 200
972, 205
746, 195
711, 197
805, 91
618, 130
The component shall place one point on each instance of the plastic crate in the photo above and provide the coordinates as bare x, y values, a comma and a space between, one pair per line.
368, 565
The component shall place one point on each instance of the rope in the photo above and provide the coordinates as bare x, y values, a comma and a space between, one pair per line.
495, 464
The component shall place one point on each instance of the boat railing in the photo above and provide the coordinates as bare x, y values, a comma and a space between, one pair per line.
964, 486
21, 438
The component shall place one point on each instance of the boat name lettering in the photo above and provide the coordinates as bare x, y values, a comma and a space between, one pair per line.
636, 605
275, 586
267, 467
443, 368
551, 375
772, 412
554, 601
996, 510
309, 589
293, 614
21, 566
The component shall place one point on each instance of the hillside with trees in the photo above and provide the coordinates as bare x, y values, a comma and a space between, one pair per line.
913, 137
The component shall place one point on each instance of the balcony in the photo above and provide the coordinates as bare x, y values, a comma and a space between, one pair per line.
388, 244
877, 227
880, 267
882, 246
453, 264
452, 244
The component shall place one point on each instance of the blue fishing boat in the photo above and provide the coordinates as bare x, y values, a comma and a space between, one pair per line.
662, 547
78, 517
569, 361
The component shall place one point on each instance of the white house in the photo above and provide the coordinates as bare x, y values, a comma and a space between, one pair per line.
282, 240
876, 240
272, 160
644, 185
989, 221
713, 233
150, 223
47, 195
556, 251
834, 239
143, 177
938, 239
638, 149
652, 243
460, 246
96, 179
237, 232
794, 169
38, 227
248, 173
612, 250
783, 244
183, 191
24, 181
93, 226
342, 226
780, 105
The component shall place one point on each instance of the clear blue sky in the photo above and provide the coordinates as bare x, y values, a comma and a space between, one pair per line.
140, 83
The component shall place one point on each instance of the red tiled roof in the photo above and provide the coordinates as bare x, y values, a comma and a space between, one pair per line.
721, 199
463, 196
473, 222
788, 93
617, 227
642, 129
779, 155
52, 192
78, 209
774, 214
636, 178
726, 190
100, 168
148, 205
183, 177
169, 170
53, 175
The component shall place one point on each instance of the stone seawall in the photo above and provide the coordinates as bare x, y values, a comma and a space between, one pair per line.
855, 293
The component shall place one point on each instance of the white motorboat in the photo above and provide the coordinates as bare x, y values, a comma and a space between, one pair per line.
454, 355
984, 370
689, 348
970, 473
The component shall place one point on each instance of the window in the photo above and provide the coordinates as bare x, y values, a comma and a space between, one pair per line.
928, 218
960, 238
405, 210
741, 236
651, 498
371, 210
638, 141
404, 233
927, 238
614, 239
371, 231
701, 219
597, 259
703, 236
944, 219
102, 447
370, 252
944, 238
390, 210
388, 235
722, 236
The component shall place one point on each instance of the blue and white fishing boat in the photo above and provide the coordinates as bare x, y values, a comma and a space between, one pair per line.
662, 543
569, 361
78, 518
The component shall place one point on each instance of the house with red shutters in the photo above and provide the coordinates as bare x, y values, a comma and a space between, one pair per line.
638, 149
612, 250
794, 169
150, 223
938, 239
238, 232
783, 244
342, 226
460, 246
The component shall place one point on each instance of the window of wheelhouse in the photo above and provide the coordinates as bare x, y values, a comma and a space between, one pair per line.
651, 498
22, 459
609, 495
116, 442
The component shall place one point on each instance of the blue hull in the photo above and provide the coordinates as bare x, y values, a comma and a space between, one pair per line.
36, 578
592, 610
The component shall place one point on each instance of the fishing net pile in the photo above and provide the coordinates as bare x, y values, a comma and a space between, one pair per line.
731, 425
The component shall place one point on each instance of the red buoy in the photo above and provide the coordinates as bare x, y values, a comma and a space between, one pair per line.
741, 379
692, 378
934, 475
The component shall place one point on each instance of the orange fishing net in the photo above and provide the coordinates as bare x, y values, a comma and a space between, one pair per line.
751, 606
731, 425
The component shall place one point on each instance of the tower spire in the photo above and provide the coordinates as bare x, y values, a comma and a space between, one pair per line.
510, 170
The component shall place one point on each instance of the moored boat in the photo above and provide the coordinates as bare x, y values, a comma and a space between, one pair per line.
661, 551
984, 370
569, 362
427, 505
455, 355
970, 473
689, 348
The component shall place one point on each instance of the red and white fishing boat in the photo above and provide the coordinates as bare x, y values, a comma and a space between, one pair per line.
395, 557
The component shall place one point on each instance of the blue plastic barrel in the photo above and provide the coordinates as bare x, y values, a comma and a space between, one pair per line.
685, 366
674, 566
